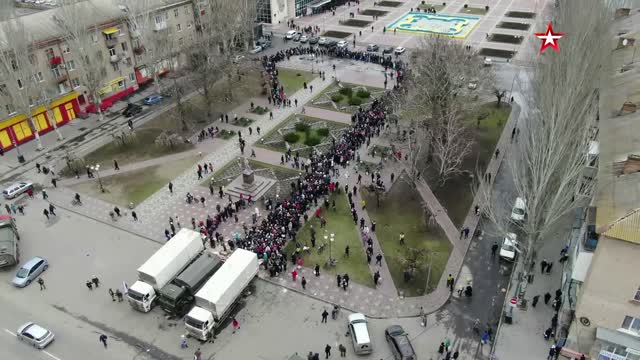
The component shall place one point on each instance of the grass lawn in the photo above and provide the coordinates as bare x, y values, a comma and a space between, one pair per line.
339, 98
273, 140
438, 7
355, 23
293, 80
457, 195
401, 211
513, 25
135, 186
473, 11
225, 134
336, 34
372, 12
341, 224
389, 3
242, 121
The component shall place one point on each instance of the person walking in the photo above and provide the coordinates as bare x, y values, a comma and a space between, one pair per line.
89, 284
376, 277
346, 251
134, 215
119, 295
52, 210
547, 297
112, 294
45, 196
46, 213
54, 182
543, 265
183, 342
339, 279
294, 274
535, 300
304, 283
95, 281
327, 351
379, 259
325, 314
42, 285
115, 165
236, 325
494, 249
316, 270
171, 187
103, 340
343, 350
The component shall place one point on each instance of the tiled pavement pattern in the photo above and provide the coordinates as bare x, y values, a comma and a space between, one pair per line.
382, 302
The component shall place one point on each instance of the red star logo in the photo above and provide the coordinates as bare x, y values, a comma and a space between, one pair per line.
549, 39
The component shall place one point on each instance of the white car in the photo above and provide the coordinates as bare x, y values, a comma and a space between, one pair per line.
256, 50
304, 39
342, 44
519, 210
35, 335
509, 247
323, 41
291, 34
487, 61
399, 50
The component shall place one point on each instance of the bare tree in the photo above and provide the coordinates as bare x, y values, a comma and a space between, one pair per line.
451, 143
499, 94
548, 160
75, 20
22, 81
47, 94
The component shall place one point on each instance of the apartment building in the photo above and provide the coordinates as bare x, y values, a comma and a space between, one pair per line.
603, 282
56, 67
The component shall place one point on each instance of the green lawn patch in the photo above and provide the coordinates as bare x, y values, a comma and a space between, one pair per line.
135, 186
293, 80
243, 121
457, 194
521, 14
260, 110
345, 97
336, 34
341, 224
373, 12
355, 23
401, 211
425, 6
389, 3
473, 10
225, 134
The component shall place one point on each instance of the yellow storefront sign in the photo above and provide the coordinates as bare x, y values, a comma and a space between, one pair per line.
110, 30
111, 85
40, 109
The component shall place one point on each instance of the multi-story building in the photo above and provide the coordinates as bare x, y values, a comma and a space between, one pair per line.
123, 70
279, 11
603, 292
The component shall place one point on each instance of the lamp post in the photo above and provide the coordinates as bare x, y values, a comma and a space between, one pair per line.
96, 168
331, 240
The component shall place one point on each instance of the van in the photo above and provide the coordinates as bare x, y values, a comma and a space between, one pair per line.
519, 210
357, 328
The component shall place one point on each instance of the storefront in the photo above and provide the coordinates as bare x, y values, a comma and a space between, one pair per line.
114, 90
17, 128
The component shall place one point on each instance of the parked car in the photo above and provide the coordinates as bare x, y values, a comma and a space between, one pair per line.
342, 44
399, 341
264, 43
152, 99
132, 110
30, 271
290, 34
509, 247
323, 41
16, 189
519, 210
332, 43
35, 335
488, 61
313, 40
373, 47
256, 50
399, 50
388, 50
359, 334
297, 37
304, 39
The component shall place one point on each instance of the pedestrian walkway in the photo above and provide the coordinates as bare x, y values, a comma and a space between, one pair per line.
328, 115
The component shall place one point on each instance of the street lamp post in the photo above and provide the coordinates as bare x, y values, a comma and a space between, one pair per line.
96, 168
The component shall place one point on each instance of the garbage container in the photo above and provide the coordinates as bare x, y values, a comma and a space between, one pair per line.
21, 159
508, 315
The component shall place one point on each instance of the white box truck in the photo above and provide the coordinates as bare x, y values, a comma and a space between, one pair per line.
216, 298
162, 267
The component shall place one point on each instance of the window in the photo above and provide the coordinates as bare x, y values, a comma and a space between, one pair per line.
71, 65
75, 83
180, 42
103, 72
132, 77
116, 67
121, 84
30, 101
32, 59
637, 296
129, 62
120, 30
189, 25
159, 19
65, 49
179, 27
112, 51
38, 77
10, 109
56, 72
186, 9
49, 53
14, 65
631, 324
94, 37
124, 46
20, 85
176, 12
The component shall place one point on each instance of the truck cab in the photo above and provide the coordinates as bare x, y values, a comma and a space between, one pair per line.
199, 323
9, 251
141, 296
175, 300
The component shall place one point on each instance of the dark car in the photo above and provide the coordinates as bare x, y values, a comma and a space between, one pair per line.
372, 47
313, 40
388, 50
399, 341
264, 43
132, 110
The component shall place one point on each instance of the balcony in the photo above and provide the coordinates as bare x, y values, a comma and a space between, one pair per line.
161, 26
62, 78
55, 61
111, 42
138, 50
115, 58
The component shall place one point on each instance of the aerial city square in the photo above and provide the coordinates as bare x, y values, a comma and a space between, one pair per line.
319, 179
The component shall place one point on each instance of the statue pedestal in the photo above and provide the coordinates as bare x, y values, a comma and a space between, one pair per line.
247, 177
249, 184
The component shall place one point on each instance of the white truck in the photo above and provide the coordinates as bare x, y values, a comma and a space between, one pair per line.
162, 267
216, 298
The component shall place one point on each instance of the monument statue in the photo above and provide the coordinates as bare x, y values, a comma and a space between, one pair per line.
247, 173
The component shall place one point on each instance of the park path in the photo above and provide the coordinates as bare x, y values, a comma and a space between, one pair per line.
328, 114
